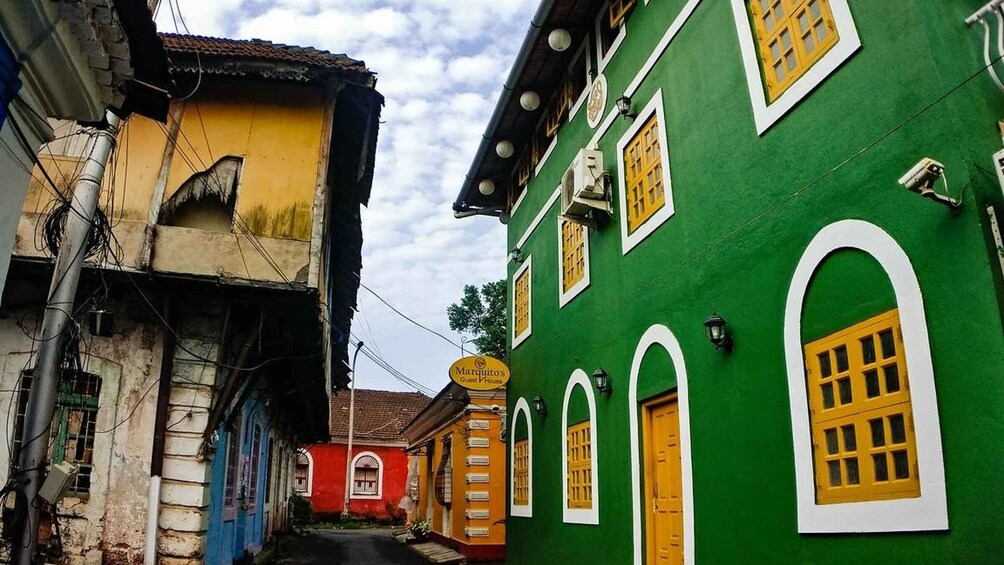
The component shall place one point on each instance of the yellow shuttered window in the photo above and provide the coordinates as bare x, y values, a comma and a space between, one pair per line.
619, 9
792, 35
521, 314
573, 254
521, 472
580, 476
861, 415
643, 174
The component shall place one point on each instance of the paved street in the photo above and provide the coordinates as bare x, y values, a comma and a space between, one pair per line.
347, 547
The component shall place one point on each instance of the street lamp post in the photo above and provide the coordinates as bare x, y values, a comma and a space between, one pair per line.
352, 418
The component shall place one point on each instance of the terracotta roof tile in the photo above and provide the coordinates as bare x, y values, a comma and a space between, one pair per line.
260, 50
380, 414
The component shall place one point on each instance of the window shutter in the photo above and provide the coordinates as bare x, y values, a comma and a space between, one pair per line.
619, 10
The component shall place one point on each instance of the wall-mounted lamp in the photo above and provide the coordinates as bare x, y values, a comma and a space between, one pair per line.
539, 406
624, 108
486, 187
516, 256
529, 100
559, 40
601, 380
504, 149
718, 332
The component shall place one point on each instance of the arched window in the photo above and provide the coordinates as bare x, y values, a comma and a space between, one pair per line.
367, 476
521, 458
303, 473
580, 496
870, 471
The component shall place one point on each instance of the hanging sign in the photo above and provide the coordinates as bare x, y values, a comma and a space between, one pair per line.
479, 372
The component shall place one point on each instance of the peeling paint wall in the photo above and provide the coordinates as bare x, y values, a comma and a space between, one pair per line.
110, 521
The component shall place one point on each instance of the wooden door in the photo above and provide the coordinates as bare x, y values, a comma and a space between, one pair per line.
663, 481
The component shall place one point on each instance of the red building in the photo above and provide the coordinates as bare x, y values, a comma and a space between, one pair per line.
379, 463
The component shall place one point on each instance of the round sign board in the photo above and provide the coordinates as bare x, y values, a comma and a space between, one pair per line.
478, 372
597, 101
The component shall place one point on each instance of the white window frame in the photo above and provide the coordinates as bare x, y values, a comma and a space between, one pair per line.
589, 516
767, 113
521, 510
379, 486
564, 297
928, 512
614, 45
584, 51
525, 267
630, 240
310, 473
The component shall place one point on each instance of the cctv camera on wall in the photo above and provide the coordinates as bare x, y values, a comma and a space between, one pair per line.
922, 176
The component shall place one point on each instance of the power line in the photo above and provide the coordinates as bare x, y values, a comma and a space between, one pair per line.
405, 316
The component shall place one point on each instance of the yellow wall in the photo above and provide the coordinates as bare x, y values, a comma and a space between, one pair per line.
277, 128
496, 469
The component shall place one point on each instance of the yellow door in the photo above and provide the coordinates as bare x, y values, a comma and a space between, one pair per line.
663, 483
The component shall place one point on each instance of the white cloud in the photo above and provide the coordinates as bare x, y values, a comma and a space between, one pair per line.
440, 65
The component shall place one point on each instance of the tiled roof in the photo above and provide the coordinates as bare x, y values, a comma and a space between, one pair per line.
380, 414
260, 50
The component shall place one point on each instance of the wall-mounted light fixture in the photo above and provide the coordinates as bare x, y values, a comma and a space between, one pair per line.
504, 149
624, 108
529, 100
516, 256
601, 380
539, 407
486, 187
559, 40
718, 332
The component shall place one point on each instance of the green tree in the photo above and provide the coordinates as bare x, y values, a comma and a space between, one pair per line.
482, 315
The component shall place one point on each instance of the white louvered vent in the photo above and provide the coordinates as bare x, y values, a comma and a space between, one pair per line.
477, 514
479, 495
476, 532
477, 477
473, 460
477, 442
478, 424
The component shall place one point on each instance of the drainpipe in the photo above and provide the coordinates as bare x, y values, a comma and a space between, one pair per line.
159, 438
352, 418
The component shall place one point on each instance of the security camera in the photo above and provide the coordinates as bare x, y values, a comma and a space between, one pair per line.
922, 176
496, 408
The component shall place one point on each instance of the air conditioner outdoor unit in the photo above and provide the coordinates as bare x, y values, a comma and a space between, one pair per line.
582, 186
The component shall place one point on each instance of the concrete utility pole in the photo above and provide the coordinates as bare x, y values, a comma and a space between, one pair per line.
55, 323
352, 420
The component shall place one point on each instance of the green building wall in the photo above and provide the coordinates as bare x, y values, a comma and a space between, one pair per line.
746, 207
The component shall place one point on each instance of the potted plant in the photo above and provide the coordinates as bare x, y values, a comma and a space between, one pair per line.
419, 530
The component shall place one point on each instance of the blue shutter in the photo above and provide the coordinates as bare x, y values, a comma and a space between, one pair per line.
9, 84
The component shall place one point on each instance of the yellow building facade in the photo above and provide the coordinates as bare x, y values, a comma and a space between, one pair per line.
458, 450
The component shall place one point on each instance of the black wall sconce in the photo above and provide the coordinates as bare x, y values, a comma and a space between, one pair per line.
718, 332
539, 407
624, 107
601, 380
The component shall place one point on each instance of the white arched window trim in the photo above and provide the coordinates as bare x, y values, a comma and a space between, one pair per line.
352, 482
521, 510
310, 472
579, 515
930, 510
661, 335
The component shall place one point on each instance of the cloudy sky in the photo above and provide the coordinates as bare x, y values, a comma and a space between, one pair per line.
441, 64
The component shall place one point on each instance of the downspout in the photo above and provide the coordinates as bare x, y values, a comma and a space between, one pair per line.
159, 438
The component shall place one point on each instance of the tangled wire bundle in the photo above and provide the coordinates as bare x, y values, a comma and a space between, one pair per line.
55, 225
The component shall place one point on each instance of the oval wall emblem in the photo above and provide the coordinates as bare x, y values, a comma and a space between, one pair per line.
597, 101
479, 372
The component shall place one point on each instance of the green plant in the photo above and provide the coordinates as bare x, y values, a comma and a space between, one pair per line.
420, 529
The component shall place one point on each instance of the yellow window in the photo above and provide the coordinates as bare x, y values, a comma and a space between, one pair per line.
580, 476
643, 175
573, 254
521, 315
521, 472
619, 10
792, 35
860, 412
